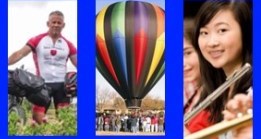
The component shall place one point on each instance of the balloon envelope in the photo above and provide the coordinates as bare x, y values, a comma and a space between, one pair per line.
130, 44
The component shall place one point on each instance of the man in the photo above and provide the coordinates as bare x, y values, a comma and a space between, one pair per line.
50, 54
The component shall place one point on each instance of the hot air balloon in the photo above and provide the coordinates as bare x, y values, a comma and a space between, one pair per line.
130, 43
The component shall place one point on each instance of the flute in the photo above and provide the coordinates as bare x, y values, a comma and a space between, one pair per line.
221, 127
212, 97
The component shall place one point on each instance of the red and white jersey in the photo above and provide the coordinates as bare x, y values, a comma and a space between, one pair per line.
50, 57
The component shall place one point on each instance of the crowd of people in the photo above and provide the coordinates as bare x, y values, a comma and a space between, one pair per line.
134, 122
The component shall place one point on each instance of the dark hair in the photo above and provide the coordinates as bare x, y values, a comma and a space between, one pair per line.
212, 77
188, 29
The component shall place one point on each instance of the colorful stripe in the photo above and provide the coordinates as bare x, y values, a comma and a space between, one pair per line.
130, 43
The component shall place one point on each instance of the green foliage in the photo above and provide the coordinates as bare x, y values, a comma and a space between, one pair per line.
27, 105
64, 124
13, 122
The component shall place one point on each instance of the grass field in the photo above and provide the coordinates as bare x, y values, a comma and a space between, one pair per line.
63, 124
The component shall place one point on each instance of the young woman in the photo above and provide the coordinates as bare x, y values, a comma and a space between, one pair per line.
191, 71
223, 40
192, 81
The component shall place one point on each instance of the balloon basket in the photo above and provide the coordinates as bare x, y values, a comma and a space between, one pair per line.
133, 103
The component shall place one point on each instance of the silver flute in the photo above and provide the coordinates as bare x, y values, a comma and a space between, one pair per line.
214, 95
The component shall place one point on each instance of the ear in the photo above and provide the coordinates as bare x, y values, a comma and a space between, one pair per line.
47, 23
63, 25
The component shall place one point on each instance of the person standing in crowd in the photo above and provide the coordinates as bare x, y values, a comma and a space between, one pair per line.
100, 122
118, 123
107, 122
161, 122
156, 118
144, 123
152, 126
148, 119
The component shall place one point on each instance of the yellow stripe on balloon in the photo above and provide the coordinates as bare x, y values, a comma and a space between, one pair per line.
158, 52
100, 23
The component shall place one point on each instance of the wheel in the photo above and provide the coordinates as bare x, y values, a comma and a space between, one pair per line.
20, 112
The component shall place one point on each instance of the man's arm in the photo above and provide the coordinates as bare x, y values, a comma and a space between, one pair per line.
73, 59
18, 55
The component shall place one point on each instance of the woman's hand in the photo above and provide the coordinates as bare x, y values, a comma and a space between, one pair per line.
240, 105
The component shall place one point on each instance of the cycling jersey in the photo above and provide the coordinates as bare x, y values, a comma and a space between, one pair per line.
50, 57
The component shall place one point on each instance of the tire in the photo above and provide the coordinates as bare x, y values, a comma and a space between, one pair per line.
20, 112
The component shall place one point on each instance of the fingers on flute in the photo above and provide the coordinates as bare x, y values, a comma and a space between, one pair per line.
233, 106
228, 115
244, 101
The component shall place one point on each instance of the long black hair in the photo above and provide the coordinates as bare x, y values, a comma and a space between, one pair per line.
212, 77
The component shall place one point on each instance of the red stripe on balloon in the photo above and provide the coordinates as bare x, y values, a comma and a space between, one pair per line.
140, 47
102, 50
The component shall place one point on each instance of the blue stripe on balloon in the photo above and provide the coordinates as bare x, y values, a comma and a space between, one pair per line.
120, 47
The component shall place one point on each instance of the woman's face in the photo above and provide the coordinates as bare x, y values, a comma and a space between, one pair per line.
191, 63
220, 42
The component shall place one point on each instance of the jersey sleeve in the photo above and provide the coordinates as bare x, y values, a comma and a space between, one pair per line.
33, 42
72, 49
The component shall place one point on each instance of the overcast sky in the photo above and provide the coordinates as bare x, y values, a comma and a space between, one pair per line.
159, 89
28, 18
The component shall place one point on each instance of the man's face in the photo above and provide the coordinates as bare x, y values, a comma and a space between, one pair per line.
55, 24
